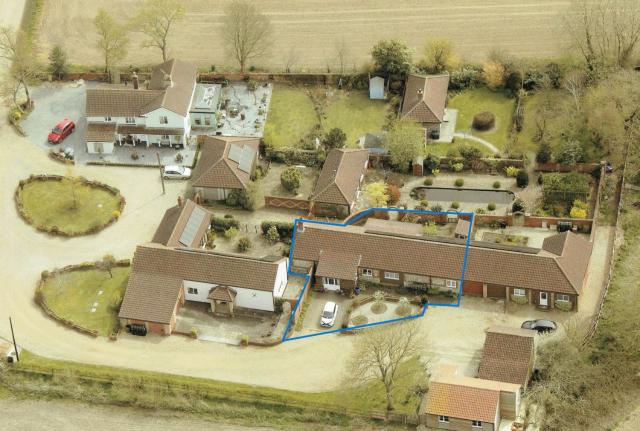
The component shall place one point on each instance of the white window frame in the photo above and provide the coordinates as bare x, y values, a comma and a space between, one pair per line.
107, 119
451, 284
130, 120
476, 424
331, 281
391, 275
561, 297
519, 292
164, 119
165, 136
207, 120
192, 290
443, 419
367, 272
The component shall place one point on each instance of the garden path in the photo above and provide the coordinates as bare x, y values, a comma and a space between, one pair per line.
481, 141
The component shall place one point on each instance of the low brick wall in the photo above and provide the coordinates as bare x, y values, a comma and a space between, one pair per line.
289, 203
557, 167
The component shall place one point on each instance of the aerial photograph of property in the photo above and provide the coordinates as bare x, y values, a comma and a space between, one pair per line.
365, 215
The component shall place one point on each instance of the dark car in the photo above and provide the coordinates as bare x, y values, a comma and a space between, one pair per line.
540, 325
61, 131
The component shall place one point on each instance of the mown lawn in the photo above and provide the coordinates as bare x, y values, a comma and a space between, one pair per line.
291, 116
51, 203
442, 148
355, 114
473, 101
72, 295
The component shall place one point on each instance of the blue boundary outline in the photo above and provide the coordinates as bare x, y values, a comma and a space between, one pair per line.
362, 214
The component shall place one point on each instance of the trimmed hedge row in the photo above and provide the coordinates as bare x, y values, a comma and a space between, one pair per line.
55, 230
221, 224
285, 228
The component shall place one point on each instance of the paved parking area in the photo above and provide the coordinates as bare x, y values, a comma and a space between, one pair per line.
312, 317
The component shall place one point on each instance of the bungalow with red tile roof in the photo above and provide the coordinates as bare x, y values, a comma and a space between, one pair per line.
338, 185
225, 164
174, 268
395, 253
425, 100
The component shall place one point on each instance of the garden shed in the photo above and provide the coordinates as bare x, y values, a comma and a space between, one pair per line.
376, 88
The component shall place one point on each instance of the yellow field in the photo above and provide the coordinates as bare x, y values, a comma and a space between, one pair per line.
308, 31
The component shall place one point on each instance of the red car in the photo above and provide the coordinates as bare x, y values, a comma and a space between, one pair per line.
61, 131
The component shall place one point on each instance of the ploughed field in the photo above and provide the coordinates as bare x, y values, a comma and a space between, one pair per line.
306, 32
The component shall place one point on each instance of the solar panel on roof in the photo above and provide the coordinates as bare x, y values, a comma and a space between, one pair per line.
246, 159
235, 152
191, 228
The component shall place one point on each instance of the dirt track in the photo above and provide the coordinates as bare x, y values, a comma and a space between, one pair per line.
308, 30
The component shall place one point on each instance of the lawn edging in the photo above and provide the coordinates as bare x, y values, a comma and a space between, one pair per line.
40, 300
54, 230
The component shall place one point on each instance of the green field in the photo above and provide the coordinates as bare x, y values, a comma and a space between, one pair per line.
471, 102
71, 208
72, 295
355, 114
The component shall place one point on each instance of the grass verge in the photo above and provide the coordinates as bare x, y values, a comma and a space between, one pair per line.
38, 377
73, 294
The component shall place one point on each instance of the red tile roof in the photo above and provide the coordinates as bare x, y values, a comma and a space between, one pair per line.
462, 402
431, 256
340, 177
507, 355
425, 98
214, 168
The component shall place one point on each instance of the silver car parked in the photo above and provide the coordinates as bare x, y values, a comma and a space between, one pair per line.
172, 172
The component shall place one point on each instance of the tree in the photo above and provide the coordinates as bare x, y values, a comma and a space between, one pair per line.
394, 194
439, 56
570, 153
290, 179
57, 61
544, 153
245, 31
107, 263
522, 178
244, 244
155, 20
470, 153
430, 228
336, 138
574, 83
379, 355
342, 54
376, 194
605, 32
112, 38
494, 74
16, 50
272, 235
391, 57
404, 142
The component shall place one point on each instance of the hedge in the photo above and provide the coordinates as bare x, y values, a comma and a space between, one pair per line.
221, 224
285, 228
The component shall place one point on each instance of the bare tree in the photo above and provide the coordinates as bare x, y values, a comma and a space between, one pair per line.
574, 83
342, 54
112, 38
379, 353
107, 263
606, 32
291, 58
16, 50
155, 20
246, 32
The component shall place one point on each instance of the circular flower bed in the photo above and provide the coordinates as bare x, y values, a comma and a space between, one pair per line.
359, 320
67, 206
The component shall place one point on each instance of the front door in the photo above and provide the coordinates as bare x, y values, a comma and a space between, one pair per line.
331, 284
543, 299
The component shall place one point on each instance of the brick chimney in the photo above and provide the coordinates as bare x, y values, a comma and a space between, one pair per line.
419, 94
136, 82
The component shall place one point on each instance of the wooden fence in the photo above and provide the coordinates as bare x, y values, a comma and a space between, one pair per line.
289, 203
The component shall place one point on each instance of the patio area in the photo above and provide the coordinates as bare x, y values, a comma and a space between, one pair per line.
222, 329
244, 112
